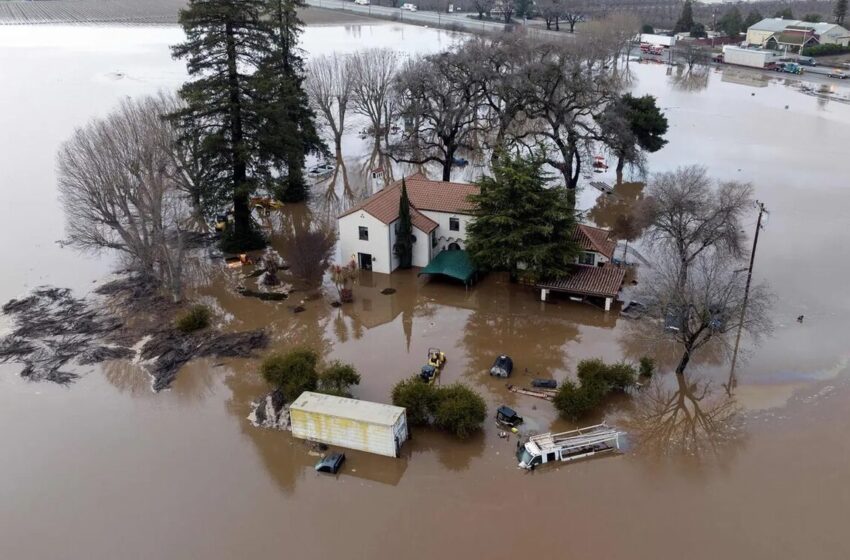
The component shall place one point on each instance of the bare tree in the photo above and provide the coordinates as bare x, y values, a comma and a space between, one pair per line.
572, 12
693, 56
373, 72
441, 97
329, 85
309, 254
689, 216
552, 11
121, 188
707, 306
506, 9
483, 7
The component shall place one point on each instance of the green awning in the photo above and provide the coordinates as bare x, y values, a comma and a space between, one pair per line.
454, 264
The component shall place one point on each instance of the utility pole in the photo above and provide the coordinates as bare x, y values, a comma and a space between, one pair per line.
732, 381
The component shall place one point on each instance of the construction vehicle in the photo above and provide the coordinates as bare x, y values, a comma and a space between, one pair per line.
436, 361
568, 446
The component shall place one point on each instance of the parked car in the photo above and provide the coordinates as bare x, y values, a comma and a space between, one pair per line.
320, 170
807, 61
409, 7
502, 367
330, 463
362, 2
544, 383
508, 416
837, 74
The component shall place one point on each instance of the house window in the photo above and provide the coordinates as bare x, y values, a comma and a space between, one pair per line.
587, 258
454, 224
364, 233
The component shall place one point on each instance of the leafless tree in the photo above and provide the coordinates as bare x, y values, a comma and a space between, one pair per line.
310, 253
694, 56
572, 12
483, 7
506, 9
373, 72
439, 95
552, 11
688, 215
707, 306
122, 188
329, 85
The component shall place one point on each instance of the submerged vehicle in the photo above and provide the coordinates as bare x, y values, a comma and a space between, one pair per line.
568, 446
436, 358
428, 374
321, 170
502, 367
330, 463
508, 416
544, 383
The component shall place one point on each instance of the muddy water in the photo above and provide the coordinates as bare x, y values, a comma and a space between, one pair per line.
107, 469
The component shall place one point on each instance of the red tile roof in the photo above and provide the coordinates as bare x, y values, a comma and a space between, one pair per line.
424, 194
591, 238
601, 281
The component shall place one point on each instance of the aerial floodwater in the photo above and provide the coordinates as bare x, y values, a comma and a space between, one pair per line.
105, 468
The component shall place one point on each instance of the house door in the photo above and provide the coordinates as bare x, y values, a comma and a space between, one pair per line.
365, 261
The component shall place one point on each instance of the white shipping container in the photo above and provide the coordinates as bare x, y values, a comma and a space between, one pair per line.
754, 58
659, 40
363, 425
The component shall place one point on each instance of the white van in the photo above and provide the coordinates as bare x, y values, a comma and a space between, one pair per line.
362, 2
409, 7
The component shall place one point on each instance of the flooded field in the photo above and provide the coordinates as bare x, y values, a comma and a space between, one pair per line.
106, 466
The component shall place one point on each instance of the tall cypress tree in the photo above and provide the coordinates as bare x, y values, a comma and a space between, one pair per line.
289, 132
840, 11
686, 19
223, 38
403, 247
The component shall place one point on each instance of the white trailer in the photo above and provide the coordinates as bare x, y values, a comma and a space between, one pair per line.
753, 58
657, 40
568, 446
363, 425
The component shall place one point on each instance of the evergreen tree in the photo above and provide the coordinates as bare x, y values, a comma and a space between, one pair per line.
223, 38
752, 18
784, 14
403, 247
686, 20
289, 131
731, 22
840, 11
521, 225
631, 124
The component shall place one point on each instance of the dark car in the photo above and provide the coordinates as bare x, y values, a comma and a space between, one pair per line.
508, 416
502, 367
544, 383
330, 463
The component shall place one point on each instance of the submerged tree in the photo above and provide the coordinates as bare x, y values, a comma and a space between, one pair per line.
122, 187
520, 224
403, 247
223, 39
329, 85
372, 74
631, 125
686, 19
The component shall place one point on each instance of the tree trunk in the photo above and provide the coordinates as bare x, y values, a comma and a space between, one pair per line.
683, 363
621, 162
241, 211
447, 164
557, 25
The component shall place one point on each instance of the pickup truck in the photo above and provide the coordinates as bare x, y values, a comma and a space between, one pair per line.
837, 74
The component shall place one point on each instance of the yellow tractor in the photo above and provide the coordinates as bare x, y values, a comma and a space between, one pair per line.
436, 358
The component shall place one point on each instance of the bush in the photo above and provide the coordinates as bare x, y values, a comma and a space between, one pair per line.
417, 397
455, 408
291, 373
575, 401
825, 50
230, 242
647, 367
195, 318
459, 410
647, 29
617, 377
337, 379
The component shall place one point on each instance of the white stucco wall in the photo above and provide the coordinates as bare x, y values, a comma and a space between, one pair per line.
444, 234
378, 244
758, 37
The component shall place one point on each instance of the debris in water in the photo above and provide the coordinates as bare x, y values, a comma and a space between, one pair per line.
388, 291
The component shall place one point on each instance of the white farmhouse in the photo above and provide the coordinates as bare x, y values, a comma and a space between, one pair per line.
440, 212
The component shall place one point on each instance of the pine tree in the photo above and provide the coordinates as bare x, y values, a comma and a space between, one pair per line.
223, 38
840, 11
686, 20
403, 247
521, 225
752, 18
289, 131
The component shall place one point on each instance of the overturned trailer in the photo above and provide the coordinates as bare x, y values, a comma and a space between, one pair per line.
355, 424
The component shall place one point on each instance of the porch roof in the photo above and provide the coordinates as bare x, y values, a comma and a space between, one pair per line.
586, 280
454, 264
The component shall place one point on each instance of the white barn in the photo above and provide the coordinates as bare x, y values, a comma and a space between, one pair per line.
775, 32
440, 212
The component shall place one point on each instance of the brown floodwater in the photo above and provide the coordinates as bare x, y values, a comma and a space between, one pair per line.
105, 468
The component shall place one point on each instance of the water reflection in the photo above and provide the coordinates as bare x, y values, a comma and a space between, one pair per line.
690, 79
690, 419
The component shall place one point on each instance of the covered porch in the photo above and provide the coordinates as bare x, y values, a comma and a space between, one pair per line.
454, 264
602, 282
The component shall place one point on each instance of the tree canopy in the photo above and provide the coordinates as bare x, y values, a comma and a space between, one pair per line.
686, 19
403, 247
731, 23
521, 225
632, 124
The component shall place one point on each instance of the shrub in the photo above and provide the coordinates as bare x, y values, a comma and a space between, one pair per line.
459, 410
647, 29
825, 50
647, 367
195, 318
575, 401
617, 377
417, 397
232, 242
337, 379
291, 373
